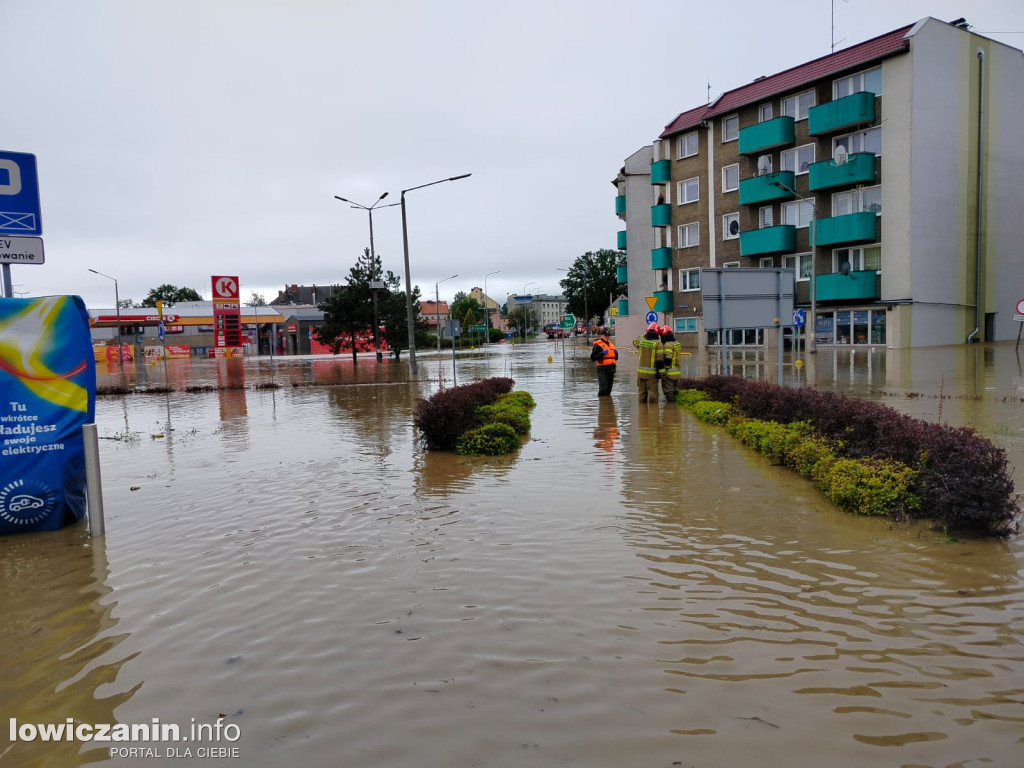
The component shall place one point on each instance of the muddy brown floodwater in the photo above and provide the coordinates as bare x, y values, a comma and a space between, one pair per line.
633, 588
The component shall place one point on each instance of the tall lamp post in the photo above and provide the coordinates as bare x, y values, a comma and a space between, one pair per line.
117, 311
410, 320
532, 282
373, 257
812, 344
437, 311
487, 309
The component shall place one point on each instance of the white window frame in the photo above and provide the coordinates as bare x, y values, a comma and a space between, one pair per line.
686, 325
689, 280
795, 154
682, 190
735, 169
765, 217
728, 135
685, 231
855, 142
731, 265
797, 107
802, 216
854, 199
725, 226
857, 83
766, 262
801, 263
765, 112
683, 148
855, 256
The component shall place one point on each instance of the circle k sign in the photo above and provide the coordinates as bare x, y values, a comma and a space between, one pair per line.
225, 288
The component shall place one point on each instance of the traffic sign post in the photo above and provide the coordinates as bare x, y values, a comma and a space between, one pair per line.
20, 213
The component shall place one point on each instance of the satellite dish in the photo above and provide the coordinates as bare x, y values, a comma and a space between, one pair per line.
734, 227
764, 165
844, 268
840, 155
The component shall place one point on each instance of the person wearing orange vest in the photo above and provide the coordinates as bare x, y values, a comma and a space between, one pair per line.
604, 355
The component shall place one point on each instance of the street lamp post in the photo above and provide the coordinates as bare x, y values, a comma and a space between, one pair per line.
437, 312
586, 307
410, 320
532, 282
487, 309
373, 258
812, 344
117, 311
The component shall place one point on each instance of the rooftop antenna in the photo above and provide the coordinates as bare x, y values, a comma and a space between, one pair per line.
834, 25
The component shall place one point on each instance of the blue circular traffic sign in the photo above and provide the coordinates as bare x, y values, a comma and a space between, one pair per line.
799, 316
652, 316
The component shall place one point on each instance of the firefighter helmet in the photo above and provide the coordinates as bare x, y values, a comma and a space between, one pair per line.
653, 327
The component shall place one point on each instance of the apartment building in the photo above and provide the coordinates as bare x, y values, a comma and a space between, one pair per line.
887, 175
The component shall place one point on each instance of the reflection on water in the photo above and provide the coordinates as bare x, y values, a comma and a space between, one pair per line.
632, 582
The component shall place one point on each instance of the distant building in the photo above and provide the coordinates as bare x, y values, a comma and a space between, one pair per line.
311, 295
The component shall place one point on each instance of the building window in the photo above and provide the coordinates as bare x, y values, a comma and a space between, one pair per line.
731, 265
857, 201
730, 226
798, 106
686, 325
800, 263
738, 337
797, 160
689, 191
765, 218
797, 214
687, 145
861, 141
865, 259
730, 178
689, 280
858, 326
764, 113
766, 262
870, 81
731, 128
689, 235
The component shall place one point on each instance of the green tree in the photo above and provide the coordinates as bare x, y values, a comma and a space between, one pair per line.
348, 313
256, 300
394, 318
170, 295
522, 317
592, 283
463, 305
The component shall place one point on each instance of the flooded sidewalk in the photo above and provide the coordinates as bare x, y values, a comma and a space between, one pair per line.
632, 588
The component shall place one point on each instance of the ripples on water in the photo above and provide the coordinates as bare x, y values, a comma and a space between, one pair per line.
633, 588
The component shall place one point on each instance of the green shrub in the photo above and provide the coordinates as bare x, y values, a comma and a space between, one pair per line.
506, 412
489, 440
518, 398
776, 441
712, 411
871, 487
451, 412
808, 454
688, 397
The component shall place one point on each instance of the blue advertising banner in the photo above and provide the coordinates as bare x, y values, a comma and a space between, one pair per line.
47, 392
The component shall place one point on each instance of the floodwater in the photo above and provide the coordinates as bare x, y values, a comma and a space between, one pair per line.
633, 588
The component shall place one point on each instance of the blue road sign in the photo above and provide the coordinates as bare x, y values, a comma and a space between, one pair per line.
799, 316
19, 195
160, 329
652, 317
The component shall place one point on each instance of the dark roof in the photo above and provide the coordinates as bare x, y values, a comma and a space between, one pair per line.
764, 87
304, 294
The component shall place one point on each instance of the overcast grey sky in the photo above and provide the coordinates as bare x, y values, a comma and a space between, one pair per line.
177, 139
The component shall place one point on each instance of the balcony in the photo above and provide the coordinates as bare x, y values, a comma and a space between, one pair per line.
661, 172
620, 205
623, 307
761, 242
622, 239
856, 286
661, 215
622, 274
761, 189
859, 168
661, 258
663, 301
842, 113
851, 228
767, 135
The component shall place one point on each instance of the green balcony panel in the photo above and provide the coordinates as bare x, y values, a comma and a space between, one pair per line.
859, 168
856, 286
661, 258
623, 307
851, 228
661, 172
622, 239
761, 189
622, 274
846, 112
663, 301
770, 134
661, 215
761, 242
620, 205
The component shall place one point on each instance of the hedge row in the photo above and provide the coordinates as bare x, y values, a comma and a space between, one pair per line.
865, 456
483, 418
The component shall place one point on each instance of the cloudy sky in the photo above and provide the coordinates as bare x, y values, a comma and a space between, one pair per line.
177, 139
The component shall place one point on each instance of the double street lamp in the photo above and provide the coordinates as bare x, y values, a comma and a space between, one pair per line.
374, 285
812, 345
410, 319
117, 311
437, 312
